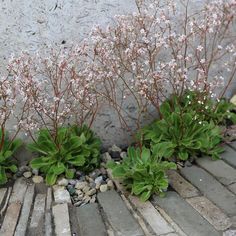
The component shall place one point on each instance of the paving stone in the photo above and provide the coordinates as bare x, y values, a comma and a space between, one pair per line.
229, 156
233, 145
48, 215
10, 219
231, 232
221, 170
151, 216
37, 219
211, 188
25, 212
18, 191
185, 216
232, 187
61, 220
118, 215
210, 212
2, 195
90, 220
181, 185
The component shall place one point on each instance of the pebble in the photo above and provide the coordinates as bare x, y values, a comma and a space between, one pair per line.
110, 184
114, 148
81, 185
98, 185
35, 171
62, 182
71, 189
91, 192
72, 181
103, 171
93, 199
123, 155
106, 157
86, 189
95, 174
37, 179
92, 185
78, 203
27, 174
98, 180
103, 188
86, 199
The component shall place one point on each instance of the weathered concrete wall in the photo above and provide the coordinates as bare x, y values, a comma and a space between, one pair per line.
31, 24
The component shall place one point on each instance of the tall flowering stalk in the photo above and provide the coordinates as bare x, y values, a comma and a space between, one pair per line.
57, 87
163, 49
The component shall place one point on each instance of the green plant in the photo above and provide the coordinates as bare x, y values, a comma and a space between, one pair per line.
73, 147
181, 134
8, 148
142, 172
207, 109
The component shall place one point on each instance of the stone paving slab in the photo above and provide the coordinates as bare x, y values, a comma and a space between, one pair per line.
25, 212
181, 185
185, 216
90, 221
211, 188
61, 220
232, 187
18, 191
221, 170
48, 214
151, 216
229, 156
210, 212
233, 145
3, 192
37, 219
119, 217
10, 219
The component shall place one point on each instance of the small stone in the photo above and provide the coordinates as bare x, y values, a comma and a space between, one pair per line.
233, 100
110, 184
61, 195
92, 185
71, 189
62, 182
79, 192
91, 192
103, 171
81, 185
123, 155
93, 199
98, 185
35, 171
78, 203
27, 174
95, 174
86, 189
78, 173
86, 199
21, 170
80, 197
115, 148
37, 179
103, 188
72, 181
106, 157
99, 179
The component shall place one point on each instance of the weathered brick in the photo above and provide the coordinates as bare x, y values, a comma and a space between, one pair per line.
181, 185
184, 215
119, 217
221, 170
18, 191
61, 219
210, 212
151, 216
211, 188
25, 212
10, 219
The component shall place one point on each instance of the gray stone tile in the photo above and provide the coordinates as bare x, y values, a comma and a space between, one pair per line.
223, 172
90, 221
119, 217
229, 156
190, 221
211, 188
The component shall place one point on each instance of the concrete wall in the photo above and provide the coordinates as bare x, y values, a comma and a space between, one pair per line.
30, 24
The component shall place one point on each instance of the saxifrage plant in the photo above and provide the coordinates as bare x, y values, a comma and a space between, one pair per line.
74, 148
142, 172
7, 163
207, 109
179, 134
